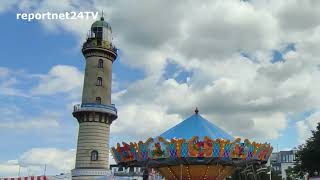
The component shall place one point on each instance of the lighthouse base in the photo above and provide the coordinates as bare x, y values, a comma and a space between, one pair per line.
89, 174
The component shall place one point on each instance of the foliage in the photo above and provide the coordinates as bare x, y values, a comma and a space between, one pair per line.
308, 156
291, 173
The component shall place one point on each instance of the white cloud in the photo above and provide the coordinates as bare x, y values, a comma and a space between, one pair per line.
298, 15
7, 88
256, 96
9, 168
4, 72
45, 121
33, 161
216, 29
60, 79
261, 123
144, 120
7, 5
9, 80
305, 127
61, 160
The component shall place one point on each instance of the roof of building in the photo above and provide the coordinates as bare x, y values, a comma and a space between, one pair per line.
196, 125
101, 23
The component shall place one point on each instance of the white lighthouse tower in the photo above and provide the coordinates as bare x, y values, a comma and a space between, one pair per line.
96, 113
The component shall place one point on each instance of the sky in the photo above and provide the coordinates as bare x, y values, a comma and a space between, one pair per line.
251, 67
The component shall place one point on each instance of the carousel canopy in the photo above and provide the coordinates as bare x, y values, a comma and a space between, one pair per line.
193, 149
196, 125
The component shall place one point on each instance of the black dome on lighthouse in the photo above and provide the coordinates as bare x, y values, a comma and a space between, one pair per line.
101, 23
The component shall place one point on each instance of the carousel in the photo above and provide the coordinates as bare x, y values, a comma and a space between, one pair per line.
195, 149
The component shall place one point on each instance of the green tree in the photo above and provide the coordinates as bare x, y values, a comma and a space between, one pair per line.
291, 173
308, 155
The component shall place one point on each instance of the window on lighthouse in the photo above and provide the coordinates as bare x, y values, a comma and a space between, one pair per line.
99, 81
94, 155
100, 63
98, 32
98, 100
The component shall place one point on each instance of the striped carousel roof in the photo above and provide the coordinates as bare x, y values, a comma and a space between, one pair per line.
196, 125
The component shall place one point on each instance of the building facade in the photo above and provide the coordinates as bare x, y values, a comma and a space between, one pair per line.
96, 112
282, 160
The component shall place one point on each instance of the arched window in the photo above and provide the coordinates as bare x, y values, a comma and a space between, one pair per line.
100, 63
99, 81
98, 100
94, 155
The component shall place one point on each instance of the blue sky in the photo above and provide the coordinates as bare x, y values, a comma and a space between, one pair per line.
162, 73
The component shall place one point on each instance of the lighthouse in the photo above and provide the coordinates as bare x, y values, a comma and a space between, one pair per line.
96, 112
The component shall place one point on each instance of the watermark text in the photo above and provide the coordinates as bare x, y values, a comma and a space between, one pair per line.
60, 16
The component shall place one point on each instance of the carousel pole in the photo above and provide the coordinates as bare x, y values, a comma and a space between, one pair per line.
181, 166
45, 169
245, 173
146, 172
270, 174
219, 172
19, 170
270, 171
254, 173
